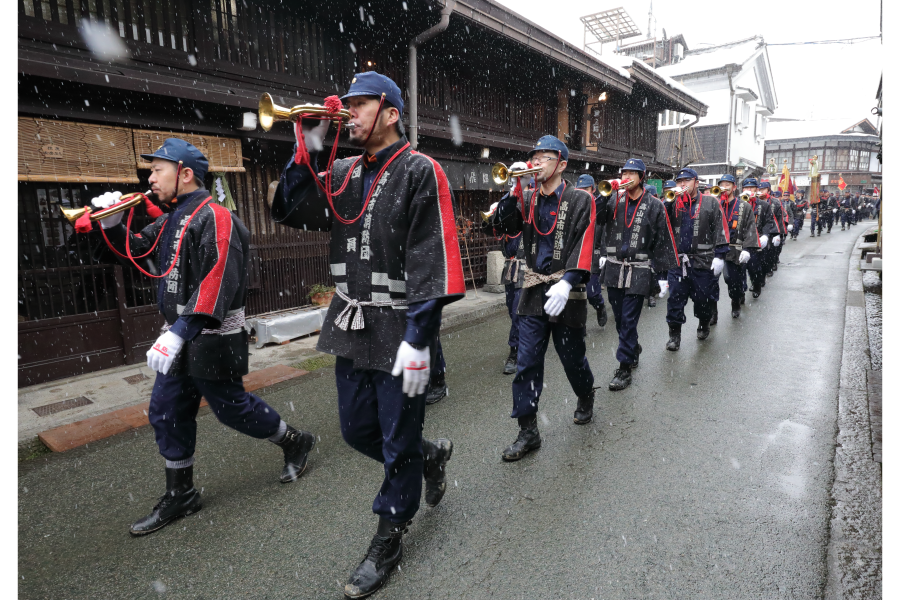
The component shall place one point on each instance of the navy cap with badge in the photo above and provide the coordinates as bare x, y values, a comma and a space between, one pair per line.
765, 185
687, 174
551, 144
375, 84
668, 185
175, 150
777, 194
634, 164
584, 182
750, 182
728, 177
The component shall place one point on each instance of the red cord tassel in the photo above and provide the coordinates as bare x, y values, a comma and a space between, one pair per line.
333, 104
301, 157
153, 211
84, 223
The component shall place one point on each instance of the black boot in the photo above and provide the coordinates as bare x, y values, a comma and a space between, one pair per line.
584, 412
180, 500
601, 316
437, 453
651, 301
703, 330
715, 316
512, 362
621, 378
735, 309
436, 390
529, 439
383, 555
674, 342
756, 292
297, 446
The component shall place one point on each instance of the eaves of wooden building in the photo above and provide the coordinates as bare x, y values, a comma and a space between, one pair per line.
489, 85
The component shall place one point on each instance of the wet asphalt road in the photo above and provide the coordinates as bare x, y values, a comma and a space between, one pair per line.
709, 477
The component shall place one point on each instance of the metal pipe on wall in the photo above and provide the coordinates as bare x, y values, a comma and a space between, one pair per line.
414, 71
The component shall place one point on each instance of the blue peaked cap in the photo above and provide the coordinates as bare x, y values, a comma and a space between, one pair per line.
765, 185
687, 174
174, 149
668, 185
585, 181
375, 84
728, 177
551, 144
634, 164
750, 182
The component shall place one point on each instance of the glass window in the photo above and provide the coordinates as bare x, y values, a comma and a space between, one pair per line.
854, 160
828, 161
843, 159
800, 160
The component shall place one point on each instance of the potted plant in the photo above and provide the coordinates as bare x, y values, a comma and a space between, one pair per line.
321, 294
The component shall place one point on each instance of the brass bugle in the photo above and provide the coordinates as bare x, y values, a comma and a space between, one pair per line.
605, 188
745, 197
125, 202
500, 173
673, 193
715, 190
269, 112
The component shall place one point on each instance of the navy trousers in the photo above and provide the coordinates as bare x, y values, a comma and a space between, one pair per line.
173, 412
735, 279
814, 222
845, 218
512, 302
829, 219
534, 336
798, 226
378, 420
595, 291
626, 309
439, 365
700, 285
757, 267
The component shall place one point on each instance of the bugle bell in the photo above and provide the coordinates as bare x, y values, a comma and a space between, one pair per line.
673, 193
500, 173
486, 216
125, 202
745, 196
269, 112
715, 190
605, 188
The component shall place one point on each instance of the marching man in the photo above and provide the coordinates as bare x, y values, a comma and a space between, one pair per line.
702, 245
637, 243
765, 226
396, 262
202, 251
557, 225
743, 239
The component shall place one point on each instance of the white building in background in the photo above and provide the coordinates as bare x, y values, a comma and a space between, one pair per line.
735, 81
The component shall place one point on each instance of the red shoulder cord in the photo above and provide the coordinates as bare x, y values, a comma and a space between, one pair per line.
128, 254
531, 212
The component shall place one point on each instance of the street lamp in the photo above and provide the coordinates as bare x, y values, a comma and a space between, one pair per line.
739, 168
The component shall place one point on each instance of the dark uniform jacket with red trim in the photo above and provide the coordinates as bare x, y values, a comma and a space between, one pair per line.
648, 238
403, 250
572, 245
742, 233
208, 280
709, 229
778, 215
765, 219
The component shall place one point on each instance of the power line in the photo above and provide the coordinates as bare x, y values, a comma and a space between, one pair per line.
843, 41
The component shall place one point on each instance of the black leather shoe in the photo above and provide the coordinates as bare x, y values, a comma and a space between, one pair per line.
296, 445
436, 391
529, 439
180, 500
674, 342
770, 273
383, 555
735, 309
703, 331
621, 378
812, 235
601, 316
584, 412
775, 268
437, 453
512, 362
715, 316
651, 301
756, 292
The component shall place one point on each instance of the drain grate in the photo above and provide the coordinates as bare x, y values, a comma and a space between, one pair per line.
52, 409
133, 379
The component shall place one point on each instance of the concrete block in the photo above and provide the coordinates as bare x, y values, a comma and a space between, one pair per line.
494, 282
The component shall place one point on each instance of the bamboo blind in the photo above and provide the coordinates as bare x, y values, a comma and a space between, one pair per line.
224, 154
75, 152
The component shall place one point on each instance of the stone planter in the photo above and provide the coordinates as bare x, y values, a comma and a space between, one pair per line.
322, 299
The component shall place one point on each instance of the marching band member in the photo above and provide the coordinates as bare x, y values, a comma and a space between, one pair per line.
513, 276
202, 250
396, 262
817, 215
798, 210
778, 217
765, 226
743, 240
829, 212
637, 243
594, 286
702, 244
846, 207
557, 225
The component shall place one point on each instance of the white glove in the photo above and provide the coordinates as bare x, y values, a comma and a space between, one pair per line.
315, 134
105, 201
776, 241
763, 240
717, 265
744, 258
161, 356
415, 365
854, 212
558, 295
834, 211
790, 227
516, 166
601, 262
663, 288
